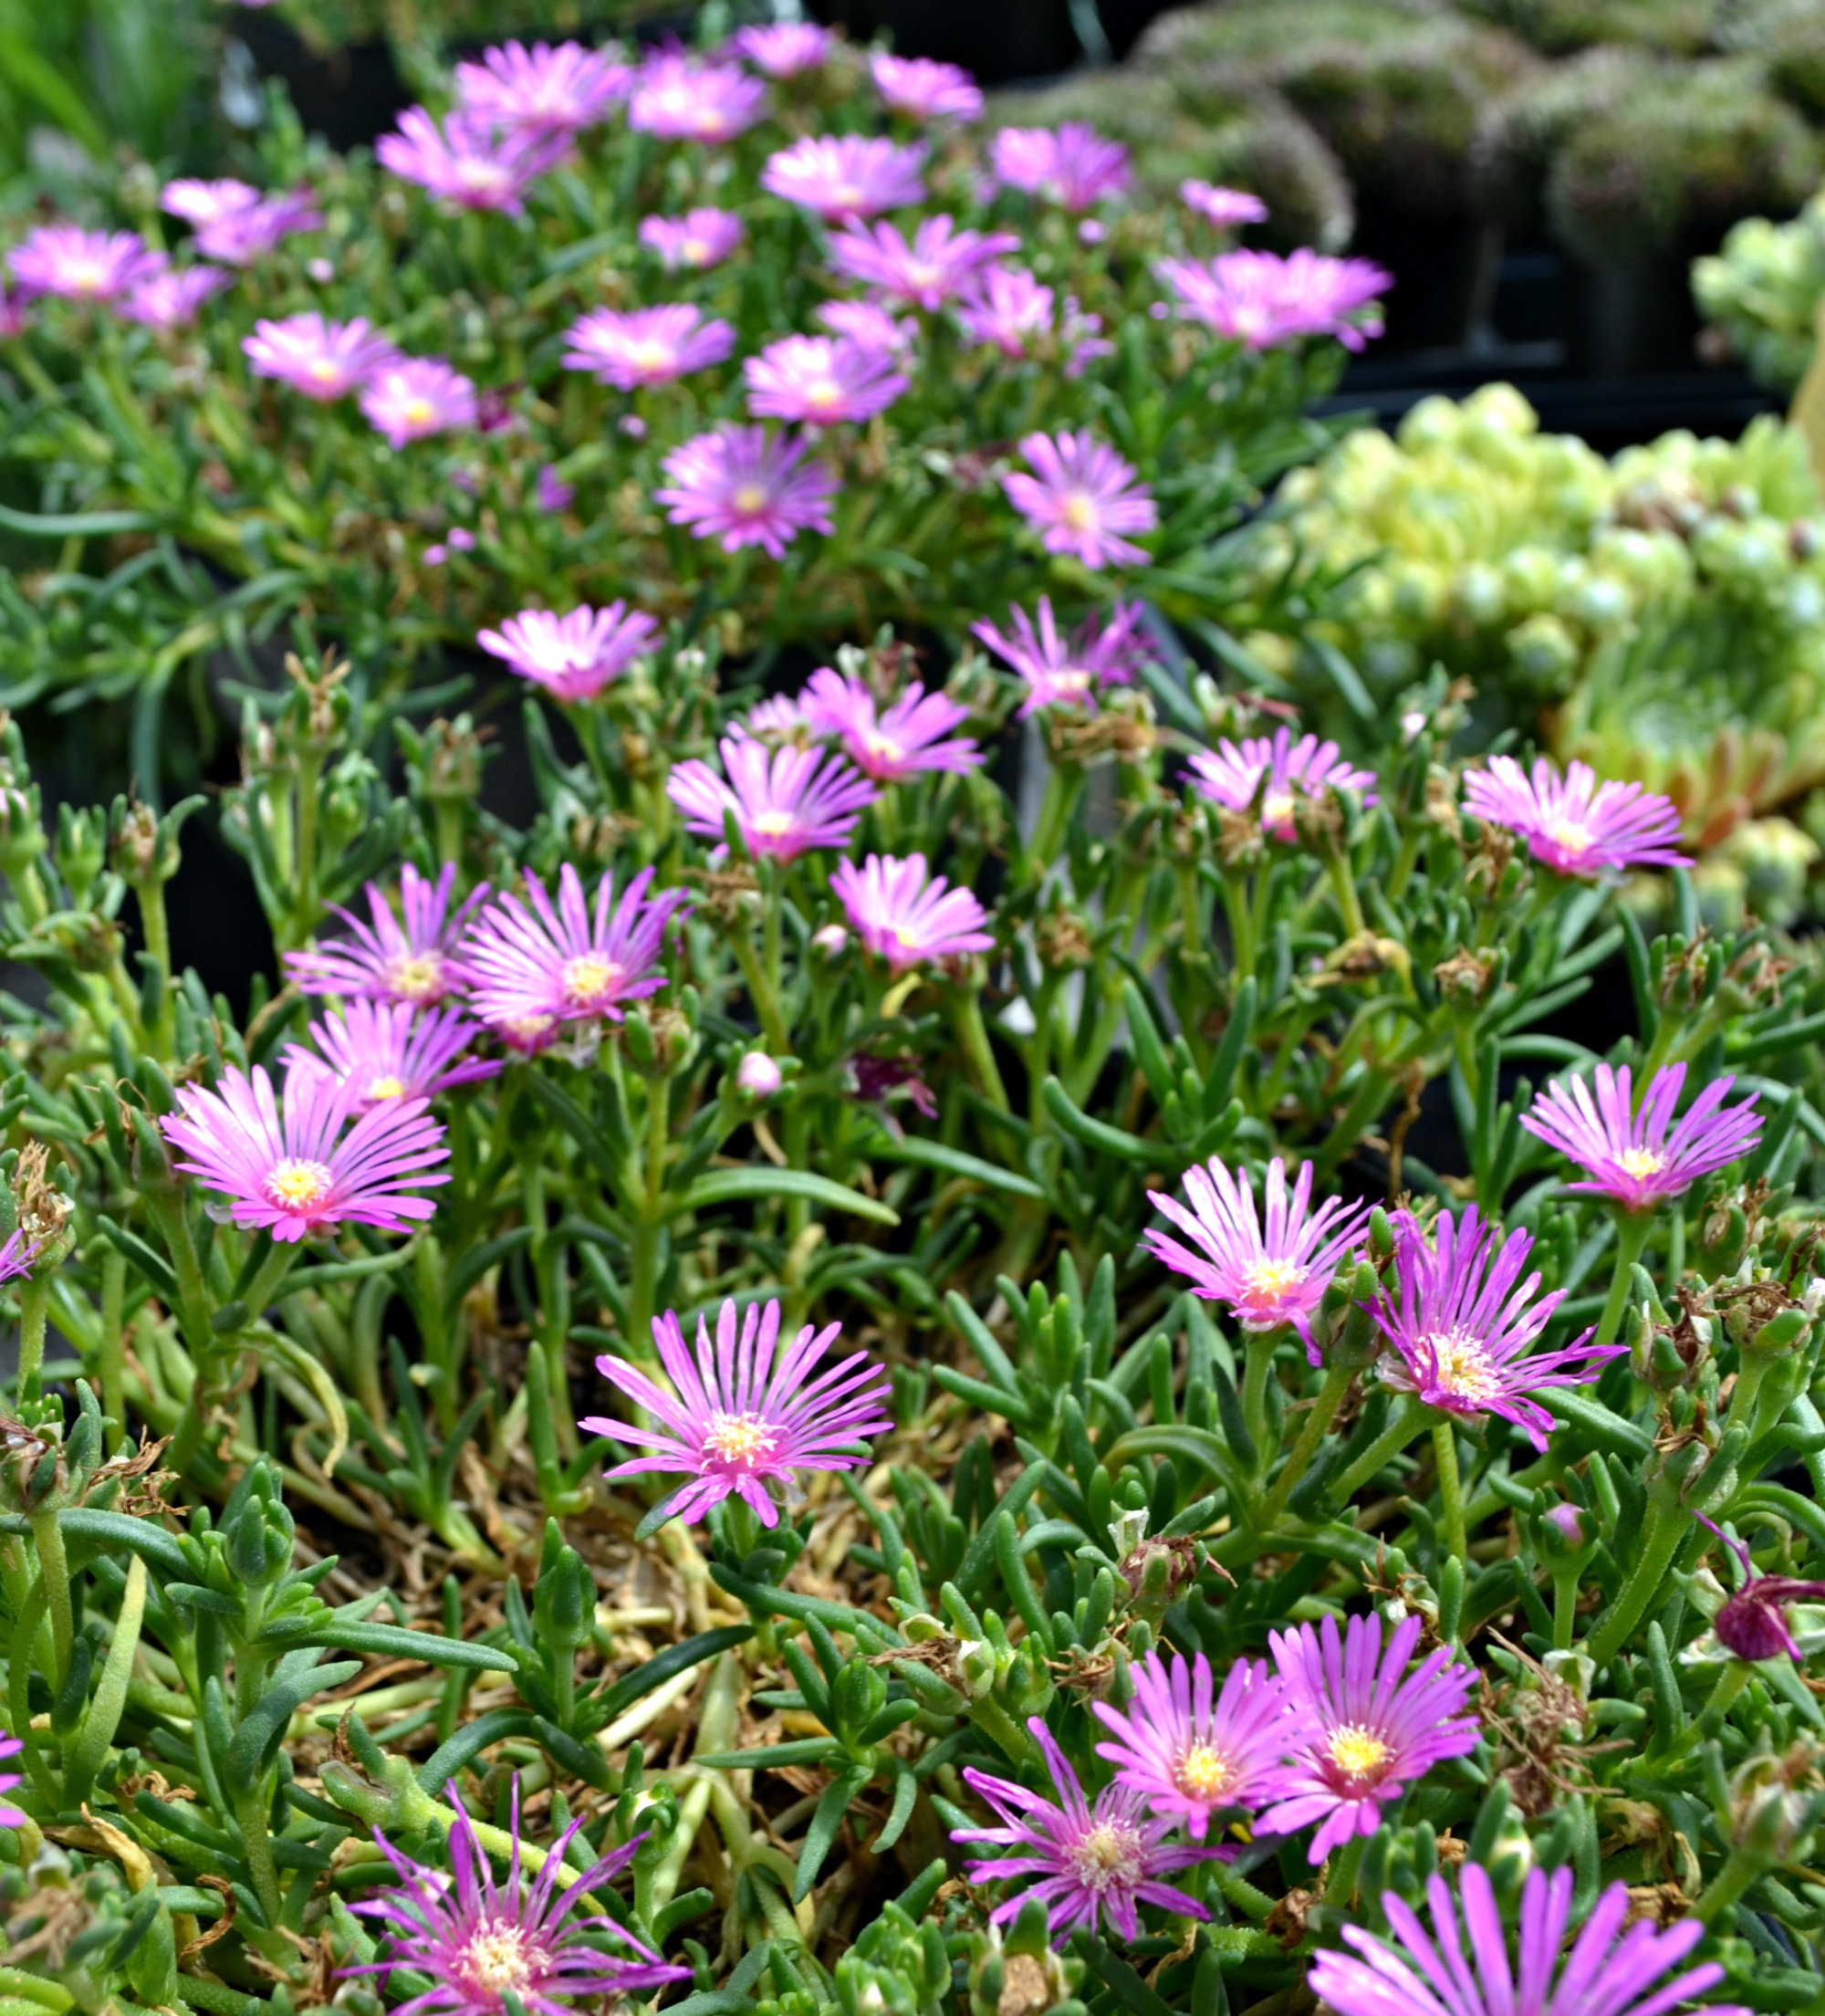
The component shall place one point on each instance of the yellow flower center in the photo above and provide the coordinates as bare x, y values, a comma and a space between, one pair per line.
418, 412
323, 371
1641, 1161
1463, 1367
696, 251
1276, 810
1107, 1858
528, 1029
386, 1086
1267, 1281
775, 824
823, 393
750, 498
739, 1438
1078, 512
650, 356
588, 978
1570, 835
416, 975
297, 1186
1202, 1772
1359, 1754
86, 277
495, 1960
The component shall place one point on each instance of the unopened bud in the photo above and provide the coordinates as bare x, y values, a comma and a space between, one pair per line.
758, 1077
831, 942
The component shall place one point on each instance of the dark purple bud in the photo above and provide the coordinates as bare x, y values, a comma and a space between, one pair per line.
1751, 1624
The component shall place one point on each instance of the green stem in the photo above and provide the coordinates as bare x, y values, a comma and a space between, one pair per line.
1631, 1236
1565, 1590
1658, 1544
1330, 1398
1740, 1871
1340, 1884
252, 1812
1450, 1487
1391, 1440
54, 1567
1257, 1370
33, 1300
766, 1000
113, 1366
973, 1035
1343, 887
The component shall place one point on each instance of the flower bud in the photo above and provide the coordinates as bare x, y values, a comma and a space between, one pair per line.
831, 942
1565, 1535
758, 1077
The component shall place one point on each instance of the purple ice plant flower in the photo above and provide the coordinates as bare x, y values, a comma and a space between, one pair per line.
937, 267
842, 177
288, 1165
1225, 208
411, 398
743, 1416
568, 960
388, 1050
413, 957
906, 915
1263, 300
573, 657
320, 358
746, 486
1088, 1864
1613, 1968
242, 237
82, 265
893, 742
1360, 1729
1191, 1753
542, 90
821, 380
1007, 307
1280, 774
15, 1260
785, 801
781, 718
1265, 1275
199, 203
1753, 1625
1066, 671
465, 162
701, 238
921, 88
10, 1747
1638, 1159
675, 98
648, 346
13, 316
1083, 499
784, 49
871, 325
172, 300
550, 492
1574, 824
1463, 1323
1073, 166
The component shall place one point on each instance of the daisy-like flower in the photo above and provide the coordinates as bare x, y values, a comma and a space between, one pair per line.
1639, 1159
573, 657
1074, 166
1268, 1275
387, 1050
1753, 1625
906, 915
320, 358
1280, 772
411, 958
891, 743
699, 239
544, 90
840, 178
921, 88
647, 346
1225, 208
170, 299
1614, 1968
786, 801
743, 1415
465, 162
1464, 1322
1088, 1864
82, 265
781, 718
1061, 671
871, 325
784, 49
935, 267
1083, 498
1262, 300
1191, 1753
478, 1941
411, 398
1575, 825
297, 1171
1007, 307
821, 380
1360, 1729
15, 1259
744, 486
203, 203
550, 492
568, 960
676, 98
242, 236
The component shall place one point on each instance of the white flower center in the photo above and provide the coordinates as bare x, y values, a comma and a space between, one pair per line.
587, 978
742, 1439
295, 1185
1360, 1756
1078, 512
823, 393
1641, 1161
650, 356
416, 976
1463, 1367
749, 499
495, 1960
774, 824
1108, 1857
1570, 835
1202, 1772
323, 371
1277, 809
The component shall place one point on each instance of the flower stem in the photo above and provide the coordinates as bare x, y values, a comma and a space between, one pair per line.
1450, 1487
1658, 1544
973, 1035
1391, 1440
1330, 1398
54, 1566
1631, 1236
33, 1300
1257, 1370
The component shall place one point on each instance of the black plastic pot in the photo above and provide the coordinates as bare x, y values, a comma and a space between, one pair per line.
1443, 270
350, 96
1001, 42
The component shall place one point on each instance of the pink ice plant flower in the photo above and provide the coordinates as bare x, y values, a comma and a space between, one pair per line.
893, 742
937, 267
82, 265
1360, 1729
784, 49
1267, 1274
1639, 1159
478, 1941
743, 1416
1066, 670
1574, 824
1462, 1323
1263, 300
1614, 1968
569, 960
15, 1260
842, 177
321, 359
785, 801
649, 346
10, 1747
1073, 165
921, 88
1083, 499
675, 98
1088, 1864
388, 1050
1007, 307
172, 298
821, 380
465, 162
906, 915
871, 325
1278, 774
1191, 1753
544, 90
701, 238
295, 1166
746, 486
413, 956
781, 718
1225, 208
242, 237
411, 398
199, 202
573, 657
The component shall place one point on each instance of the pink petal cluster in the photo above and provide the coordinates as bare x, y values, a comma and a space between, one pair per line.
467, 161
649, 346
1574, 824
1278, 773
937, 265
245, 236
784, 49
842, 177
570, 961
172, 298
889, 743
543, 90
1225, 208
82, 265
411, 398
677, 99
321, 359
785, 801
701, 238
1007, 307
1262, 300
1073, 165
924, 89
746, 486
573, 657
821, 380
413, 957
871, 325
1083, 499
906, 915
387, 1050
1639, 1159
1068, 670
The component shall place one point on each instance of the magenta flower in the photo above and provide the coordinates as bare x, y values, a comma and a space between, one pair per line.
411, 398
841, 178
648, 346
1574, 824
10, 1747
242, 237
821, 380
1225, 208
786, 801
937, 267
297, 1173
1609, 1971
887, 745
676, 98
743, 1415
13, 317
923, 89
541, 90
568, 961
781, 718
746, 486
387, 1050
82, 265
465, 162
1639, 1160
1087, 1864
320, 358
1278, 773
1007, 307
479, 1941
1082, 496
1461, 1329
699, 239
170, 299
1190, 1752
1266, 1276
550, 492
15, 1259
1359, 1727
1066, 671
784, 49
204, 203
413, 957
573, 657
871, 325
1262, 300
1074, 166
906, 915
1753, 1625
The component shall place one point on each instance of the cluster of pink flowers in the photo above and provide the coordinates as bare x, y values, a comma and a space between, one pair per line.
404, 399
1273, 776
1261, 300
